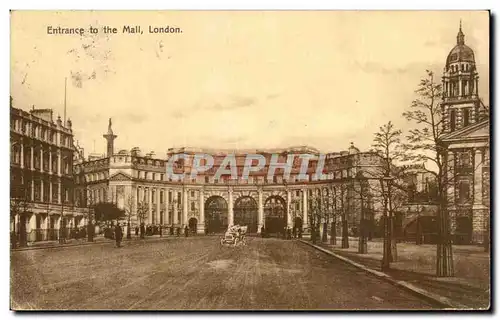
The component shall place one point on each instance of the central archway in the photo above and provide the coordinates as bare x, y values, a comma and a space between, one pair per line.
216, 214
245, 213
275, 214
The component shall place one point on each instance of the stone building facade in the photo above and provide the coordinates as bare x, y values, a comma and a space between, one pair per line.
41, 173
138, 182
467, 144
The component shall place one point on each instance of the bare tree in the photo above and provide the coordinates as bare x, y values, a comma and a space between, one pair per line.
424, 146
387, 143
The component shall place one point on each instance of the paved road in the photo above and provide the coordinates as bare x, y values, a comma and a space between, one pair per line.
196, 273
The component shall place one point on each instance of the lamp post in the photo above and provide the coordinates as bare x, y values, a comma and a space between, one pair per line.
385, 184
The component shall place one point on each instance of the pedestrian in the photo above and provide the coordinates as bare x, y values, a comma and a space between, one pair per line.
289, 233
118, 235
136, 231
294, 232
300, 233
160, 229
186, 231
178, 230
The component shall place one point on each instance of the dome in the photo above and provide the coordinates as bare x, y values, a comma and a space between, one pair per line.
461, 52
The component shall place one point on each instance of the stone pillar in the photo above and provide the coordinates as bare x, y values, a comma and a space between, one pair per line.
230, 211
185, 207
59, 192
136, 201
59, 162
22, 156
32, 164
41, 159
201, 223
289, 222
50, 160
304, 208
175, 205
478, 178
260, 212
450, 165
150, 206
167, 208
158, 211
50, 191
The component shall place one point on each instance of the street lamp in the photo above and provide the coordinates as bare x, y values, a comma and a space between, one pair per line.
385, 183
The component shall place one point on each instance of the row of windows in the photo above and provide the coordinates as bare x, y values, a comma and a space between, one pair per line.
37, 160
40, 132
463, 66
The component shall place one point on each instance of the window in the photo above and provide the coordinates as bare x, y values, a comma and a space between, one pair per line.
193, 206
162, 177
466, 117
170, 196
161, 196
153, 176
192, 193
297, 193
206, 179
452, 120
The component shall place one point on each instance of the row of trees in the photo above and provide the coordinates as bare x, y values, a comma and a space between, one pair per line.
386, 184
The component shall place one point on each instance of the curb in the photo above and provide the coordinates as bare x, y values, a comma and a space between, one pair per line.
431, 297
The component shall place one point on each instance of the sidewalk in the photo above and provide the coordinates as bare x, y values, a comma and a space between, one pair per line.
417, 265
81, 242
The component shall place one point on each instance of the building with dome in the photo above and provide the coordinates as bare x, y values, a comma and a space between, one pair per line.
466, 140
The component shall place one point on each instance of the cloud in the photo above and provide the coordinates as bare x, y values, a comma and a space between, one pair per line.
132, 117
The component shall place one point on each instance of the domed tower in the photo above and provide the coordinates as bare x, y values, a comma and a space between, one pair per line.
461, 105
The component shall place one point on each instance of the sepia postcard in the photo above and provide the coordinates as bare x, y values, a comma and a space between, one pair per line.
250, 160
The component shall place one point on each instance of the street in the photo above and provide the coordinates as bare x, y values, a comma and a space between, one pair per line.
197, 274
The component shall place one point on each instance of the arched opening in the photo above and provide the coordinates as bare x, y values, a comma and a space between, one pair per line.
245, 213
192, 224
275, 215
216, 214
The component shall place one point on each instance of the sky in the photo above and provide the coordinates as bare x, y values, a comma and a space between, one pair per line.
252, 79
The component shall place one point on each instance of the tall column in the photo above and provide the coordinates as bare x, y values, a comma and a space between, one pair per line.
158, 211
59, 192
201, 224
22, 156
261, 211
478, 177
304, 208
150, 206
175, 205
41, 159
50, 160
32, 164
230, 211
135, 195
451, 181
167, 208
59, 162
185, 207
288, 211
50, 190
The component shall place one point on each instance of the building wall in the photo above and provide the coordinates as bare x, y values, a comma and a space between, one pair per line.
41, 169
